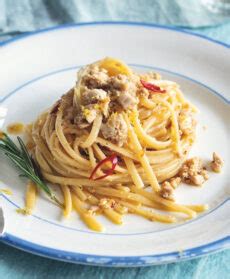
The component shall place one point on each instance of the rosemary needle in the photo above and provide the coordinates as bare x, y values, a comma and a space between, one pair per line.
29, 168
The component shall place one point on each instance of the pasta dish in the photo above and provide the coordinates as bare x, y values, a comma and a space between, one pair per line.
118, 143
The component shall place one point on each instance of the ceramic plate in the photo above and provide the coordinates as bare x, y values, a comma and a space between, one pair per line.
37, 69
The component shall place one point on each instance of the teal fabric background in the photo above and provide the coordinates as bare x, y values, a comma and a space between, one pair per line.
15, 264
19, 16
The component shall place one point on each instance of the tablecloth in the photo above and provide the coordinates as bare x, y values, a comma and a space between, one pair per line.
21, 16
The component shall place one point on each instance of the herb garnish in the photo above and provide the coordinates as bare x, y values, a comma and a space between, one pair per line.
24, 161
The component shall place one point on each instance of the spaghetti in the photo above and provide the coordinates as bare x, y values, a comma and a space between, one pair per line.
112, 140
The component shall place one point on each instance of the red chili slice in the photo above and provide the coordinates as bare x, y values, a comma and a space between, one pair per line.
113, 159
152, 87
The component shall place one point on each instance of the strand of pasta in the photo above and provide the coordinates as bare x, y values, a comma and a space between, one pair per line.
154, 197
41, 161
133, 173
94, 132
31, 195
92, 157
145, 138
61, 156
108, 212
121, 195
175, 128
149, 202
162, 174
147, 124
183, 101
156, 155
88, 219
120, 150
79, 192
60, 168
64, 142
140, 198
67, 200
142, 156
148, 214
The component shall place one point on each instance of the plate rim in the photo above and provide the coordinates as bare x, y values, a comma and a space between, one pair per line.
115, 261
99, 260
130, 23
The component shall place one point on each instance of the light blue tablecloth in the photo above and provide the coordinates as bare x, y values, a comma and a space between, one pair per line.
28, 15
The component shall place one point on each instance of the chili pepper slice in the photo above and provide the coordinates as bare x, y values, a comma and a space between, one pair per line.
113, 159
152, 87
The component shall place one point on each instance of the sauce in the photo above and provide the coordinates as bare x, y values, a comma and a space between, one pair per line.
15, 128
22, 211
6, 191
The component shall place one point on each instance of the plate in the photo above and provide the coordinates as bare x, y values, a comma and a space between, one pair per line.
35, 70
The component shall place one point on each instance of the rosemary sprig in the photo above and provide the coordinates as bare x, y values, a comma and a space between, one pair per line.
21, 158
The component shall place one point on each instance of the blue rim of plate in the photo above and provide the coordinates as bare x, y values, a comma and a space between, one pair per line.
130, 23
125, 261
99, 260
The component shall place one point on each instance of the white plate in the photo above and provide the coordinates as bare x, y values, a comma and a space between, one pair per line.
37, 69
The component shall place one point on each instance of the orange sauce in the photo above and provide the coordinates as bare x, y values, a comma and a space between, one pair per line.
15, 128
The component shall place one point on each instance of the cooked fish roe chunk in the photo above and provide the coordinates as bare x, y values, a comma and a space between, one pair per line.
93, 96
90, 113
168, 187
186, 121
167, 191
95, 78
121, 83
115, 129
85, 116
80, 120
69, 114
193, 172
217, 163
175, 181
123, 91
127, 101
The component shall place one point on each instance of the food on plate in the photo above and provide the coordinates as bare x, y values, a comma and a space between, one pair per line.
217, 163
15, 128
116, 143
